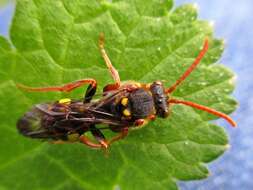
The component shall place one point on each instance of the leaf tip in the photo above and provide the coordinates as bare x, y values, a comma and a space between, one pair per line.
223, 42
211, 24
227, 146
209, 174
233, 80
196, 6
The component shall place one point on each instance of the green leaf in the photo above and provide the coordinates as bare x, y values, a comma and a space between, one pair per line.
54, 42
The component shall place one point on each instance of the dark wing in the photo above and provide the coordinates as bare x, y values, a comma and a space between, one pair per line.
110, 97
50, 121
39, 121
47, 109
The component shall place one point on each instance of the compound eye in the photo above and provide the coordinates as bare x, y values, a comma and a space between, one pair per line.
124, 101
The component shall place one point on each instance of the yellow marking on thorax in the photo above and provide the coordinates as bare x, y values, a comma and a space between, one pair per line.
65, 101
124, 101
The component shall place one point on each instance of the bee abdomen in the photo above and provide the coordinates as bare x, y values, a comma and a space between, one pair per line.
32, 124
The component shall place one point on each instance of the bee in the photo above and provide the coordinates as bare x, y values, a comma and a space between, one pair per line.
123, 105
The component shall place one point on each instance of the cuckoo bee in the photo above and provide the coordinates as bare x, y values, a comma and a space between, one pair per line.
123, 105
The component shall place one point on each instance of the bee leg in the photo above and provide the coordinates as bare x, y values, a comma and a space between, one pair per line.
90, 92
99, 136
123, 134
113, 71
64, 88
142, 122
152, 117
85, 140
139, 122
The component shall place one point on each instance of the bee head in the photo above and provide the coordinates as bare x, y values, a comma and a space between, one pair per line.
160, 99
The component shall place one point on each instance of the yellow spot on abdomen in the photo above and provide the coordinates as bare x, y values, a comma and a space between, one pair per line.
126, 112
73, 137
65, 101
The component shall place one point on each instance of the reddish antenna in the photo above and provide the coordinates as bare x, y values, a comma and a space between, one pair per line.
190, 69
204, 108
192, 104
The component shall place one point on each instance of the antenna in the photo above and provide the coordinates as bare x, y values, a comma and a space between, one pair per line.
204, 108
190, 69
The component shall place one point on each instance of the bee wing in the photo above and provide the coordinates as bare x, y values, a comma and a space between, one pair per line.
88, 121
46, 108
36, 122
111, 96
42, 134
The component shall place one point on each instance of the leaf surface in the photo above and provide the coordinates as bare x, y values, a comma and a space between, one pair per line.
55, 42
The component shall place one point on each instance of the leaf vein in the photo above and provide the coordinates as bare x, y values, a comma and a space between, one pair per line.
34, 151
173, 51
68, 172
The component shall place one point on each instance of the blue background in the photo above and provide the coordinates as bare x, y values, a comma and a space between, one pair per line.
233, 21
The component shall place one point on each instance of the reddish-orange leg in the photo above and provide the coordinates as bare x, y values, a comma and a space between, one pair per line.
102, 142
113, 71
141, 122
98, 135
192, 104
71, 86
65, 88
85, 140
123, 134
